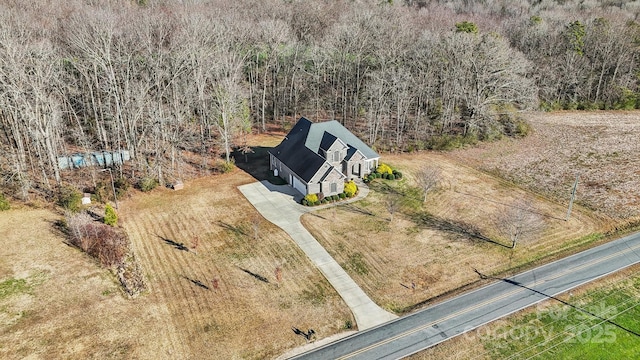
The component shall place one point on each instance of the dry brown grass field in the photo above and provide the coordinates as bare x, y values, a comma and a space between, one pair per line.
385, 256
602, 148
250, 313
223, 299
56, 303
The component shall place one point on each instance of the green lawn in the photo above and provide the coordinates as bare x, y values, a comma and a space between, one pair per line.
558, 331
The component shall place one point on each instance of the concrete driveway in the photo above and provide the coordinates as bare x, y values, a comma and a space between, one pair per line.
280, 205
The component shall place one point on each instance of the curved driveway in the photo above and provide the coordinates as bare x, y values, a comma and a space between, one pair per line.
279, 204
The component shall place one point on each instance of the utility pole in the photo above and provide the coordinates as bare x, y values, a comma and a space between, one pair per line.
573, 197
113, 187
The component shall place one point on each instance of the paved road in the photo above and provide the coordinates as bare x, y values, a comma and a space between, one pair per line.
278, 204
428, 327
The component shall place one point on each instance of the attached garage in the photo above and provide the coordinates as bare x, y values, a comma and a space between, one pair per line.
299, 185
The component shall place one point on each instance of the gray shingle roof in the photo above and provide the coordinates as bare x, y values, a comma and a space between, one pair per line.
317, 130
299, 150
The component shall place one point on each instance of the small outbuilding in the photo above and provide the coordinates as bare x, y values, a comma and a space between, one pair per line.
178, 185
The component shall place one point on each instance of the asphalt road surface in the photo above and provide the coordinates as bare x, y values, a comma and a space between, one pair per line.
410, 334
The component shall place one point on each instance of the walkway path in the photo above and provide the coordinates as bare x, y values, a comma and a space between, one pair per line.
279, 204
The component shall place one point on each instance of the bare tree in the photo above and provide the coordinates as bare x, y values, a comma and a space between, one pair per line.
427, 178
519, 221
168, 80
195, 242
392, 204
256, 221
230, 109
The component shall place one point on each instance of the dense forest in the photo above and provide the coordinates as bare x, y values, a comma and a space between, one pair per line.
174, 80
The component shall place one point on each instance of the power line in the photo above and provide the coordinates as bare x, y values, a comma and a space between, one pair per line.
602, 319
546, 341
477, 353
557, 299
574, 327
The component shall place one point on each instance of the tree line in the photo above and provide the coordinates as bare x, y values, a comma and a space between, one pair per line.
166, 79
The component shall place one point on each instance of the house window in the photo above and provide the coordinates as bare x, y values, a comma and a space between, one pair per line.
336, 156
334, 187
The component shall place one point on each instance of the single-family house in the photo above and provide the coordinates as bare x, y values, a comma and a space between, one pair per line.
319, 157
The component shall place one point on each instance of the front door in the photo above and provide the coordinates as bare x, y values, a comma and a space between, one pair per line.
355, 170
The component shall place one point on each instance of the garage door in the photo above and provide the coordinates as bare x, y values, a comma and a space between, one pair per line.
298, 185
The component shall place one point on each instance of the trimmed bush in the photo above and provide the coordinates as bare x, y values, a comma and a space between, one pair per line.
391, 177
384, 169
335, 197
398, 175
4, 203
522, 128
342, 195
311, 198
350, 188
305, 202
147, 184
70, 198
110, 216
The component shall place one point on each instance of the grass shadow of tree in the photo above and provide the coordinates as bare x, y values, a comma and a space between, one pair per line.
384, 187
256, 276
411, 204
427, 220
198, 283
175, 244
238, 230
